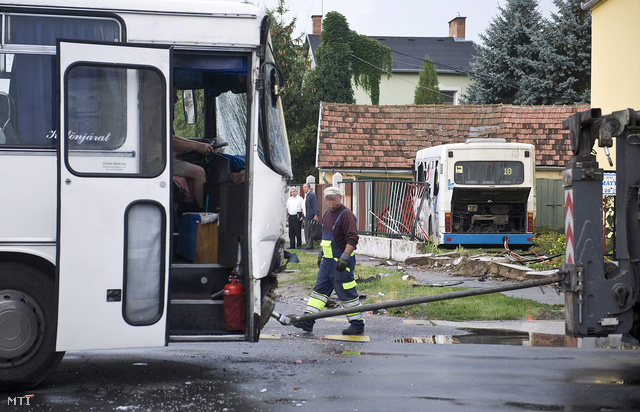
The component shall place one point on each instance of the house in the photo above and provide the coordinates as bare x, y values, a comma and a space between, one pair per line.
451, 55
615, 33
386, 139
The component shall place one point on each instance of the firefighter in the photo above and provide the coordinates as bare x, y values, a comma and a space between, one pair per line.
336, 263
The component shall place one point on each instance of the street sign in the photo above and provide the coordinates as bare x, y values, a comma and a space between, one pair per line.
609, 184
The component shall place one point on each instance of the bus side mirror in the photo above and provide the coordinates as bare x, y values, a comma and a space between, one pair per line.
190, 106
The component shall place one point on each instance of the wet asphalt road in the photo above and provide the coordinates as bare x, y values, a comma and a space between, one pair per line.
292, 370
401, 364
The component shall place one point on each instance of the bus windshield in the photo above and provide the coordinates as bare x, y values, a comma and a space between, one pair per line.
489, 173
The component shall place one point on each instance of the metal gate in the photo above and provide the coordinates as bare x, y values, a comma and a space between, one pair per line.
550, 204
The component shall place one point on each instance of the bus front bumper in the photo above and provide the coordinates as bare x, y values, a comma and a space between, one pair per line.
486, 238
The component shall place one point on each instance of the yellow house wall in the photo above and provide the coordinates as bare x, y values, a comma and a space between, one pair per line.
400, 88
615, 61
548, 174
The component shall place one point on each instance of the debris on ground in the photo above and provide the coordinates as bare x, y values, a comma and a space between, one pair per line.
447, 283
482, 265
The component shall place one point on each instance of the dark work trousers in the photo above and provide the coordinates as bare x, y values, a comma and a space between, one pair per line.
307, 232
295, 231
329, 279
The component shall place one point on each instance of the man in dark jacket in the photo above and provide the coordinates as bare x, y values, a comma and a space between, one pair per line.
336, 262
311, 212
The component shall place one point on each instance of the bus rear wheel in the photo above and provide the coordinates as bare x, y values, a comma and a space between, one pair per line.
27, 327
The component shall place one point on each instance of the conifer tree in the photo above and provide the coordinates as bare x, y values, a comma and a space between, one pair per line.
528, 60
568, 58
427, 91
509, 56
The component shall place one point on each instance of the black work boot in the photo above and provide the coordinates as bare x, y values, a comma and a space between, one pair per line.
303, 326
351, 330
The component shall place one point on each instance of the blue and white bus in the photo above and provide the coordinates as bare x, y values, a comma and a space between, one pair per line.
478, 193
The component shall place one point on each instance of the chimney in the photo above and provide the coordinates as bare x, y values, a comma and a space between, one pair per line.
317, 24
456, 27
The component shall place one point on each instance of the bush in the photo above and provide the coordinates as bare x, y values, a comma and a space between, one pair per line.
548, 241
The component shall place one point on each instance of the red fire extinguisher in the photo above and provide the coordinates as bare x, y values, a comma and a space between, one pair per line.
233, 299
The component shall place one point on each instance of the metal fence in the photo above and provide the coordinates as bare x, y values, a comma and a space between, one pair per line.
388, 207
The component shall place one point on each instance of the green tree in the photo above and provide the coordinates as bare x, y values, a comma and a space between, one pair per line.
340, 56
427, 91
330, 81
300, 114
568, 57
370, 60
180, 126
506, 67
526, 59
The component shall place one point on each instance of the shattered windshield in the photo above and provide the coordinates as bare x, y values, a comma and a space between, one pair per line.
231, 112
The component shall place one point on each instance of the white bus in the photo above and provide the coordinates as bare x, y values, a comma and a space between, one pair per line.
88, 221
477, 193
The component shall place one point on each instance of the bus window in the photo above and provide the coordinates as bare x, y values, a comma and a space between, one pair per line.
114, 124
220, 83
27, 70
489, 173
278, 156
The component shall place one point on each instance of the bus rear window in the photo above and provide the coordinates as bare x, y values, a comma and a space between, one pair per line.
489, 173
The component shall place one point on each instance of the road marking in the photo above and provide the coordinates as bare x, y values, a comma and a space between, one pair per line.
269, 336
350, 338
421, 322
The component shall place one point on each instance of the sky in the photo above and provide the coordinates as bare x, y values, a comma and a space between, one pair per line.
419, 18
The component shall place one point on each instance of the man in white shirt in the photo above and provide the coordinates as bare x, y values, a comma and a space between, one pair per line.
295, 205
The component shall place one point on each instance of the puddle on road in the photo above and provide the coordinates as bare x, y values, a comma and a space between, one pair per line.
497, 337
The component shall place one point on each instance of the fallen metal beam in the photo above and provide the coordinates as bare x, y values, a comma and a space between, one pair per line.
289, 319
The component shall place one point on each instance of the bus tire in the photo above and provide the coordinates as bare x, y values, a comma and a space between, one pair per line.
28, 332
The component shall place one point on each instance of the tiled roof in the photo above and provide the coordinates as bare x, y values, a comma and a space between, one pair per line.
448, 54
387, 137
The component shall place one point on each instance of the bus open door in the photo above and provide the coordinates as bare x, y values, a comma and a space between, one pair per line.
114, 195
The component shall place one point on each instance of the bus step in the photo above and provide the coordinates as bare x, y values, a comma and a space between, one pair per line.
228, 337
195, 302
198, 280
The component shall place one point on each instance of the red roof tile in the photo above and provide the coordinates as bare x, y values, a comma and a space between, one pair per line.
356, 136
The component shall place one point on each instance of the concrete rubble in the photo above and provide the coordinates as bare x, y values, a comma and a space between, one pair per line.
479, 266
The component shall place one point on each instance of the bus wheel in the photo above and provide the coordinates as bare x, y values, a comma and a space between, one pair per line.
27, 327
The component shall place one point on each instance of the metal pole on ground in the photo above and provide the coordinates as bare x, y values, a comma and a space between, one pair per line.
289, 319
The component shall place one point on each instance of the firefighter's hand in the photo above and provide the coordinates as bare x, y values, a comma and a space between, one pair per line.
342, 262
320, 255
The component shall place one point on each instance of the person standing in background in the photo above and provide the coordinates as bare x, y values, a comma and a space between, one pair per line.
311, 212
295, 204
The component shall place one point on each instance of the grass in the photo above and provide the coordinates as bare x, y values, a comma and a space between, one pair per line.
493, 306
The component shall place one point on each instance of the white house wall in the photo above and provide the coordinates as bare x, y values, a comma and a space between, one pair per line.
400, 88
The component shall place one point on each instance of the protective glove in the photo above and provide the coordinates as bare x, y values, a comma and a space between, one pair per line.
343, 262
320, 255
